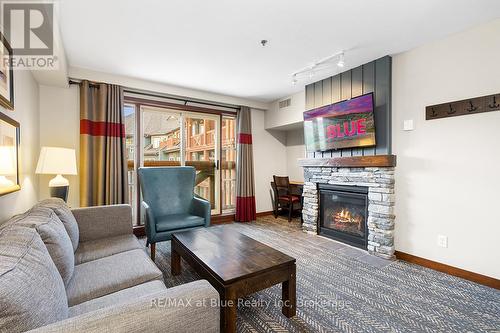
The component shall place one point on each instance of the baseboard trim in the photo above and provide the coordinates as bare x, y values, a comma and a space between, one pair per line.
462, 273
266, 213
221, 219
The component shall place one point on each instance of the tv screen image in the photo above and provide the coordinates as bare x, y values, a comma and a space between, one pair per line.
344, 124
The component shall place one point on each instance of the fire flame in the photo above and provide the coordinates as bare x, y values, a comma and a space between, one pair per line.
345, 216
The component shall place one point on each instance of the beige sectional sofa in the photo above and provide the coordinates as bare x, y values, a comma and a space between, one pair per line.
77, 270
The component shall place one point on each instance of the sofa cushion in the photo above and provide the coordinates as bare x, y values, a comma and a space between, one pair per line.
110, 274
120, 297
178, 221
32, 291
55, 238
104, 247
64, 213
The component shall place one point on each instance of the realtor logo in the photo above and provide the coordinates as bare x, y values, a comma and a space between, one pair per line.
29, 28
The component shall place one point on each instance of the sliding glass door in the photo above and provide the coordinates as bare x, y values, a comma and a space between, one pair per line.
169, 137
201, 150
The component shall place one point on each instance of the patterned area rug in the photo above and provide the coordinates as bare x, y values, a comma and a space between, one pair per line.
342, 289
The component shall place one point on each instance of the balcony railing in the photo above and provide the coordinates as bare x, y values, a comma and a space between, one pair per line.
201, 141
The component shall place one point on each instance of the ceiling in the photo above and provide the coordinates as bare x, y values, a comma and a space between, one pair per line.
215, 45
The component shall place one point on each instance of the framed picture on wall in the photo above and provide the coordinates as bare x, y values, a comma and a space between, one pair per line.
9, 155
6, 75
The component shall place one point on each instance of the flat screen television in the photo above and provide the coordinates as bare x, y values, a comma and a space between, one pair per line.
345, 124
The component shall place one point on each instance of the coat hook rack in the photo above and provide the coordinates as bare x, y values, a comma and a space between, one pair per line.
463, 107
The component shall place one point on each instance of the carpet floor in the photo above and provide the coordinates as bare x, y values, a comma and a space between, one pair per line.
343, 289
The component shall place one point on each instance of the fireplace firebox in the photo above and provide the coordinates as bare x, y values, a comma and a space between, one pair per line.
343, 213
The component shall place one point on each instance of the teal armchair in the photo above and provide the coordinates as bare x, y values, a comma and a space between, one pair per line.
169, 204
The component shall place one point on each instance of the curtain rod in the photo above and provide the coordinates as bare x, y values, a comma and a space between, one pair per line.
79, 82
185, 100
153, 94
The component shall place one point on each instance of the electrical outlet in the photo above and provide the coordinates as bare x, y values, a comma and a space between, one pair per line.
408, 125
442, 241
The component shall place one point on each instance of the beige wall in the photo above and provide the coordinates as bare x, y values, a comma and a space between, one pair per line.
447, 178
26, 113
269, 153
295, 149
60, 127
291, 115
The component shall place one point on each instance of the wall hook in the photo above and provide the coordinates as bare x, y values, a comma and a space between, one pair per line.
471, 108
495, 104
451, 110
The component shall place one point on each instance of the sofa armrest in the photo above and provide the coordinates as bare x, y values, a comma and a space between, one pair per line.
103, 221
192, 307
201, 207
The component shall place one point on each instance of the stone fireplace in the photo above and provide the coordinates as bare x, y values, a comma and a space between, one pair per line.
351, 200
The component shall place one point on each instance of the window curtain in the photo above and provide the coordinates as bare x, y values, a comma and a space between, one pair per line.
245, 185
103, 168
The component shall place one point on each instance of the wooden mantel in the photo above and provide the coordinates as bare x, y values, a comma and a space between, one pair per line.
350, 162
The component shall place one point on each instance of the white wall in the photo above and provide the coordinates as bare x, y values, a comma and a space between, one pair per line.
26, 113
269, 153
447, 177
60, 127
295, 149
81, 73
291, 115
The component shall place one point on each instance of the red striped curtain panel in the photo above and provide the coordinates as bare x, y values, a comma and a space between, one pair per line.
245, 185
103, 168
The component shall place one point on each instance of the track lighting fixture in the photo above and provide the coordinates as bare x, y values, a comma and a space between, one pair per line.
309, 71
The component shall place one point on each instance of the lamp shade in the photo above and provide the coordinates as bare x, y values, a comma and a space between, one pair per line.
7, 161
56, 161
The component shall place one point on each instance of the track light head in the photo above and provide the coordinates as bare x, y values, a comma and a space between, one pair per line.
341, 62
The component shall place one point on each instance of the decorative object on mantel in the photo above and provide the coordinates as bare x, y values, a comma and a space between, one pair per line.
6, 75
463, 107
57, 161
9, 155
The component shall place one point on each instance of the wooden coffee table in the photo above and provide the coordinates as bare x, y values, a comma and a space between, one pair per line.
236, 266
